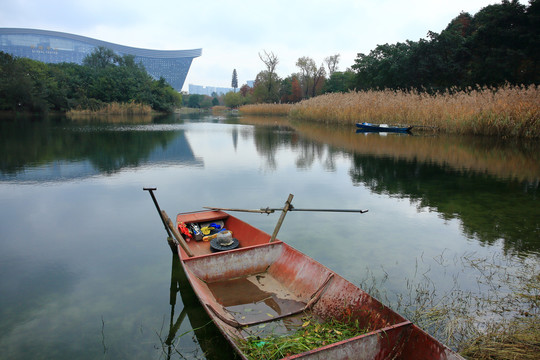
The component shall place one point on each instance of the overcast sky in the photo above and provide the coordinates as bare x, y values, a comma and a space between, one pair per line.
233, 32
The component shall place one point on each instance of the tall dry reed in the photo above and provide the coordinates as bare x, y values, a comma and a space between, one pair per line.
512, 111
130, 108
218, 110
265, 109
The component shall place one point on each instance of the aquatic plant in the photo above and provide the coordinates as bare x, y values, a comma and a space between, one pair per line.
508, 111
129, 108
265, 109
498, 320
310, 335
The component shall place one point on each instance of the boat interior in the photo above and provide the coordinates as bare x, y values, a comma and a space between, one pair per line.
263, 284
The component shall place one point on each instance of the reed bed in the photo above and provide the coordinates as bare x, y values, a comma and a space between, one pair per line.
219, 110
130, 108
265, 109
520, 339
509, 111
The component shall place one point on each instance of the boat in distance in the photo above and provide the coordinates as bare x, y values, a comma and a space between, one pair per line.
368, 127
259, 285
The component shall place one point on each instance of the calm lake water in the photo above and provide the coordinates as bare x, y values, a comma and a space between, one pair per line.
85, 270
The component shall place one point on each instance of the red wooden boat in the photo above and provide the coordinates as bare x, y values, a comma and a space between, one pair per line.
263, 284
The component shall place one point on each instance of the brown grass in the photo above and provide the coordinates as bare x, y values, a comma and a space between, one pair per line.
218, 110
499, 320
265, 109
510, 111
131, 108
519, 339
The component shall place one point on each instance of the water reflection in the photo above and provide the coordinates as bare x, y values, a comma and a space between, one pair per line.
489, 209
79, 259
210, 340
48, 152
28, 285
491, 186
62, 149
506, 159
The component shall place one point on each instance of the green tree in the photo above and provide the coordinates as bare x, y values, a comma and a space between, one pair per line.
29, 85
265, 88
206, 102
25, 84
497, 45
234, 82
285, 90
101, 57
340, 81
233, 99
500, 44
194, 101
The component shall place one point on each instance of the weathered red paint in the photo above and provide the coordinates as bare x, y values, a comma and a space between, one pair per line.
292, 278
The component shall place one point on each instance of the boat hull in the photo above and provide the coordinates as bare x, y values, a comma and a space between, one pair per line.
367, 127
272, 285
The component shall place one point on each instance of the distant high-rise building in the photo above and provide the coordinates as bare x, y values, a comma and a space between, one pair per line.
208, 90
56, 47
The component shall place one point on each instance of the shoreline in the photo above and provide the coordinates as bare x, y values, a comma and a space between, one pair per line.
506, 112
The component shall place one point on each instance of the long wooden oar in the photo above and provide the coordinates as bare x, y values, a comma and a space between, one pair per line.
291, 208
288, 207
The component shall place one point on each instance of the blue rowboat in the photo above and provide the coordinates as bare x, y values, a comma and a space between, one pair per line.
368, 127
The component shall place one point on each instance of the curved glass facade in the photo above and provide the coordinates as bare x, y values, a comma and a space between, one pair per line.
56, 47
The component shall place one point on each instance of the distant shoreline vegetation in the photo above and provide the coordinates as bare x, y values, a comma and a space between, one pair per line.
103, 81
130, 108
509, 111
478, 76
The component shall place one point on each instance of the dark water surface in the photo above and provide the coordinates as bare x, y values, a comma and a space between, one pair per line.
85, 271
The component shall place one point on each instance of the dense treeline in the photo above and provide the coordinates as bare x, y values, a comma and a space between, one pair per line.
498, 45
104, 77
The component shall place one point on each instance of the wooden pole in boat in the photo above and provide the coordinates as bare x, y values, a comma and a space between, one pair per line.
169, 227
151, 191
172, 242
282, 217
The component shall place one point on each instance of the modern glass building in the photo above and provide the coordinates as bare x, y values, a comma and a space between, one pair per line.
56, 47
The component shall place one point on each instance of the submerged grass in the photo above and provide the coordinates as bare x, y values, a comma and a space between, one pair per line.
311, 335
496, 319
